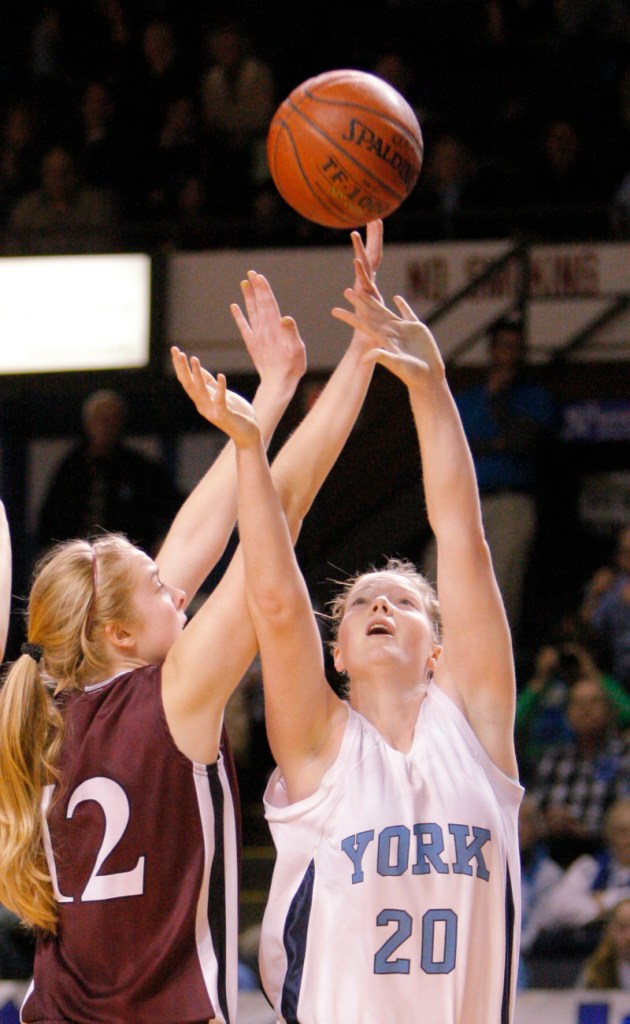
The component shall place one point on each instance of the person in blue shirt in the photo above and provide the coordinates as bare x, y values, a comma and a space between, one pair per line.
606, 609
507, 420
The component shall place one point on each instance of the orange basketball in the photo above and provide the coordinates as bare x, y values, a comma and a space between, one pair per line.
344, 148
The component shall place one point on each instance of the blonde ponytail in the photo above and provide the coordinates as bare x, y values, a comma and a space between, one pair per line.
69, 605
30, 735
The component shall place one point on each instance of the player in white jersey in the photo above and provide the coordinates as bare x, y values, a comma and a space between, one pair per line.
395, 895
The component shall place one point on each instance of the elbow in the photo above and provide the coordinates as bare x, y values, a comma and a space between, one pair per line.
296, 497
280, 612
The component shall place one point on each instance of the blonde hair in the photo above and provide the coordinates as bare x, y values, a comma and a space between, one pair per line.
78, 587
601, 970
397, 567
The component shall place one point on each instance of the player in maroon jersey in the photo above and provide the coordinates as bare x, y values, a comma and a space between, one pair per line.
111, 723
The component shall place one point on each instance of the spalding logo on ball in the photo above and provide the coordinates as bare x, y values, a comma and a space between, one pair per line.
344, 148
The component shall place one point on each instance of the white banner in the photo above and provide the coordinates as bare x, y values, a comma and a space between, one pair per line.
570, 286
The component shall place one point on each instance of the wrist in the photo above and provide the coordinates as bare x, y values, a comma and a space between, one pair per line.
250, 441
276, 391
270, 402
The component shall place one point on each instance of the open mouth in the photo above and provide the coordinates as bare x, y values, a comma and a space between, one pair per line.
379, 629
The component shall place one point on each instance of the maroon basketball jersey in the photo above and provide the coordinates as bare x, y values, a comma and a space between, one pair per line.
142, 845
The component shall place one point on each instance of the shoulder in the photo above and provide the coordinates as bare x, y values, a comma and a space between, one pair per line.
111, 718
138, 689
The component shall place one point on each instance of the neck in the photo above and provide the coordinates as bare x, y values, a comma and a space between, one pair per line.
392, 712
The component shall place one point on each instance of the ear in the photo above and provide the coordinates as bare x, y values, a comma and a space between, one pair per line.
432, 660
338, 661
119, 636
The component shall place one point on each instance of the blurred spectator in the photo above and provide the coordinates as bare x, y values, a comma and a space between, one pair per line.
508, 419
593, 885
606, 608
608, 967
562, 177
161, 76
619, 212
107, 41
539, 874
102, 159
48, 57
541, 704
104, 484
446, 191
178, 156
575, 782
548, 79
564, 188
18, 156
394, 68
192, 221
63, 214
238, 99
611, 136
17, 948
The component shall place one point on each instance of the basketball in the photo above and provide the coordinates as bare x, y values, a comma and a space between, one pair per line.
344, 148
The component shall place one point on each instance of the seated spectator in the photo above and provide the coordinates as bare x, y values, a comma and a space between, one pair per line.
564, 189
541, 718
50, 63
177, 158
606, 608
104, 484
103, 153
539, 874
608, 967
18, 156
192, 226
63, 214
510, 420
17, 948
238, 99
593, 885
619, 211
163, 75
441, 195
576, 781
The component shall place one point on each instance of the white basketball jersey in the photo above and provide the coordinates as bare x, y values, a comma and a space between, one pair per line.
395, 895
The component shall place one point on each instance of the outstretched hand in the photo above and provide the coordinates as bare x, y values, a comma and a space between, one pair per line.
367, 259
224, 409
368, 254
406, 346
272, 340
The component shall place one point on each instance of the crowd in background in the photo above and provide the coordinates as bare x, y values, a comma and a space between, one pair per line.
124, 120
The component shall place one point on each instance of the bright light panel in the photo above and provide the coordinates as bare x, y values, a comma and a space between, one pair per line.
74, 312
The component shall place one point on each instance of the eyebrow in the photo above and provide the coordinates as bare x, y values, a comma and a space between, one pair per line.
395, 588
